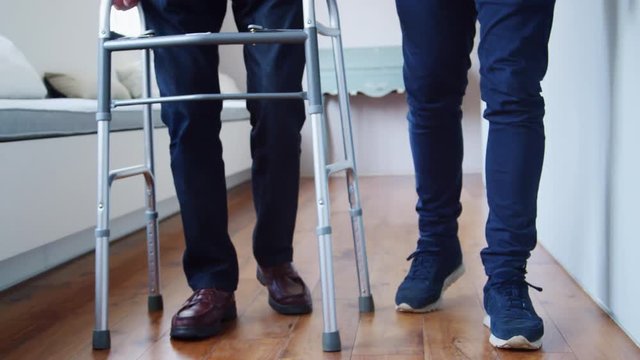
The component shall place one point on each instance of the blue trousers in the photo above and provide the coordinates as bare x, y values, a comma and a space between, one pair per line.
437, 39
210, 259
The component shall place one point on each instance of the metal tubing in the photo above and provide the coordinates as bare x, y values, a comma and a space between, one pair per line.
339, 166
324, 241
103, 117
357, 228
153, 249
279, 37
102, 242
148, 119
200, 97
347, 136
326, 30
127, 172
153, 246
152, 220
102, 283
104, 30
314, 94
309, 13
341, 80
316, 110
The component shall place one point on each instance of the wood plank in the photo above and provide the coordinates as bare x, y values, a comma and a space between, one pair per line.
388, 332
588, 330
386, 357
51, 316
456, 330
305, 341
535, 355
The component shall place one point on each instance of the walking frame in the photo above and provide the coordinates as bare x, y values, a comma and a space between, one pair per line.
108, 43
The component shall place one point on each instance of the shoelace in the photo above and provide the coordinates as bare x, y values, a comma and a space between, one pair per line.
421, 267
514, 293
533, 286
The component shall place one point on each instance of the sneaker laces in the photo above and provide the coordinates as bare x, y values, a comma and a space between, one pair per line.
515, 294
422, 266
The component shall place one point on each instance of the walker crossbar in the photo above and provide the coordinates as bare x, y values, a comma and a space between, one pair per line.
154, 42
327, 30
110, 42
129, 172
339, 166
199, 97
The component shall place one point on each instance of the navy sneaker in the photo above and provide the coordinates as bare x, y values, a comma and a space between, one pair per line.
431, 273
513, 322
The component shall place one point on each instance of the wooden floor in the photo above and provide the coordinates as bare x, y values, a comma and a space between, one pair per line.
51, 317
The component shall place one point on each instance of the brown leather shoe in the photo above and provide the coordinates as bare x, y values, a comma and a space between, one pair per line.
288, 294
202, 314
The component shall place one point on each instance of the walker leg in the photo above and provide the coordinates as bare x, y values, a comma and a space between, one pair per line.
365, 299
101, 335
154, 302
155, 298
331, 335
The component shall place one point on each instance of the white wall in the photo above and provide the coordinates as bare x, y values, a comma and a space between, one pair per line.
49, 186
56, 36
625, 193
588, 188
572, 212
48, 192
364, 23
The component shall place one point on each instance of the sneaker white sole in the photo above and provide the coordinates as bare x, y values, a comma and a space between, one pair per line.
455, 275
515, 342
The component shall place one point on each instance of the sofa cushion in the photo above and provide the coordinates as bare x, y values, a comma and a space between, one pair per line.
130, 76
76, 87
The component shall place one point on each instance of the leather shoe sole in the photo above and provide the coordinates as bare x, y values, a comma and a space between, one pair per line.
289, 309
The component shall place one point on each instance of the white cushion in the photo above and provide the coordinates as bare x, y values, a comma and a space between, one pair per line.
130, 76
76, 87
18, 78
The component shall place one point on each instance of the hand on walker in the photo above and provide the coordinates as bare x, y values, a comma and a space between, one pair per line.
124, 4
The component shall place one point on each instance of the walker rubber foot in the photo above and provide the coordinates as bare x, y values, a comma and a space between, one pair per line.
331, 341
101, 339
366, 304
154, 303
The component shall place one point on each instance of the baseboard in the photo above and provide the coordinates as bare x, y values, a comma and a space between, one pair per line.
36, 261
